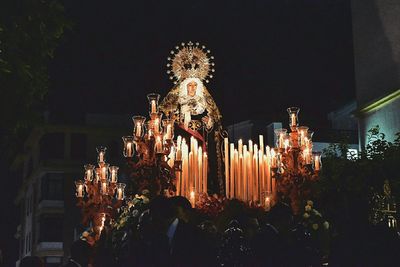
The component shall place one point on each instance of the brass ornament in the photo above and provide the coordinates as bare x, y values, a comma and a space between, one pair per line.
190, 61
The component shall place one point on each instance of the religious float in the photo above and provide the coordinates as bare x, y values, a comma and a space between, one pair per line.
181, 149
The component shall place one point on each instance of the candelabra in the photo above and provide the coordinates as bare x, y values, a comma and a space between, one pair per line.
99, 194
151, 151
257, 174
293, 163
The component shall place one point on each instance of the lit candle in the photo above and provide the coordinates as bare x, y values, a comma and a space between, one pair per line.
236, 165
286, 144
79, 189
104, 171
245, 180
169, 132
153, 106
200, 169
232, 172
226, 147
267, 203
261, 137
205, 172
156, 126
317, 163
158, 145
138, 129
274, 163
119, 194
129, 149
88, 172
192, 198
114, 174
104, 187
293, 116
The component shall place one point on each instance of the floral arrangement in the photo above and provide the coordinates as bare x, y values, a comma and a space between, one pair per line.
312, 219
210, 206
316, 229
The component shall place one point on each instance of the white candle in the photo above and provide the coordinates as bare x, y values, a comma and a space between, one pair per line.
267, 203
316, 163
226, 148
104, 172
153, 106
293, 119
113, 176
119, 194
138, 129
158, 145
101, 157
104, 187
169, 132
205, 172
80, 190
129, 149
261, 137
232, 172
88, 175
192, 199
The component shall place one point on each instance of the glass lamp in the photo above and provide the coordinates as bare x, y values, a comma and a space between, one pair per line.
302, 135
101, 154
153, 102
79, 188
138, 126
280, 137
114, 174
293, 117
120, 195
128, 146
168, 126
89, 169
317, 163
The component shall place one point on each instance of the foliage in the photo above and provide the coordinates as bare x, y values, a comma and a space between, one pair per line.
346, 185
29, 32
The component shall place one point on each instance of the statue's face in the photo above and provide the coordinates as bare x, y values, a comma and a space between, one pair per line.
191, 88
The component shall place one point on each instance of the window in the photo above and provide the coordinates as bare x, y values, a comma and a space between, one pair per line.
78, 146
50, 228
52, 146
52, 186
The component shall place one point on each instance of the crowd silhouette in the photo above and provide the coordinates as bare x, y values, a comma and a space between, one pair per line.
170, 232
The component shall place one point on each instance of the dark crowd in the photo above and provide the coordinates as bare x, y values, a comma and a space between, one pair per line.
169, 232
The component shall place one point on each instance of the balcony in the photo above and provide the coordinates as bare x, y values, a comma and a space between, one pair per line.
51, 204
46, 246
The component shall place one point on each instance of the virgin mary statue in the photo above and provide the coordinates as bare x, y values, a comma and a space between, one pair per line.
191, 106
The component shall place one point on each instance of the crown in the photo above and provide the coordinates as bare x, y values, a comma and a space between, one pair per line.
190, 61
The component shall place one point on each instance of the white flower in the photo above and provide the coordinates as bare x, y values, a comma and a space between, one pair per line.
325, 225
310, 203
306, 215
308, 208
315, 226
145, 200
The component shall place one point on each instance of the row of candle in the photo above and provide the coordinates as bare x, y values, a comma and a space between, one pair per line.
248, 171
191, 180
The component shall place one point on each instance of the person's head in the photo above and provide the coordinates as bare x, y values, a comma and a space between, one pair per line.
80, 252
31, 261
191, 88
182, 207
161, 212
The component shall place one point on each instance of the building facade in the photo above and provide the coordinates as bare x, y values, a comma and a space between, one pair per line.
53, 159
376, 41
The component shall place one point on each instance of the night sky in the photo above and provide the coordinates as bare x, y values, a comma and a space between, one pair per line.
269, 55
